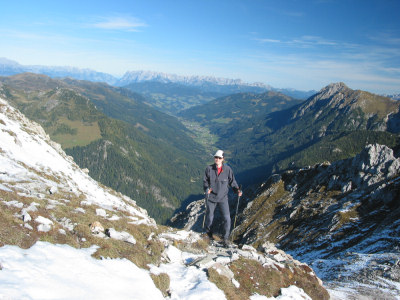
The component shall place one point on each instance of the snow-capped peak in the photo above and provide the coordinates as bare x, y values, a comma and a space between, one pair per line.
140, 76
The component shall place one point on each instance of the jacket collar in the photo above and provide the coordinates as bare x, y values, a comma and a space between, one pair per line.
216, 168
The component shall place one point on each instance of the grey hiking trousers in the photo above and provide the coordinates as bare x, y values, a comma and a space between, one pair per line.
224, 209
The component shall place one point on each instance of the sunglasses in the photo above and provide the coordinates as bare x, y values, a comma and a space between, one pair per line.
216, 157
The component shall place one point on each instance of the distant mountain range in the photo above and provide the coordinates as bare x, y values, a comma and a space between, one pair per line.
140, 76
10, 67
222, 86
207, 87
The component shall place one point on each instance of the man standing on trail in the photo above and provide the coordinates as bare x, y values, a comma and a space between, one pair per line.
217, 179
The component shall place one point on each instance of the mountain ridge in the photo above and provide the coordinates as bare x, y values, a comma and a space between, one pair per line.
340, 96
223, 86
194, 80
9, 67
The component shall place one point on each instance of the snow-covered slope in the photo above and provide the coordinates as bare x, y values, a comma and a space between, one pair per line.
63, 235
32, 164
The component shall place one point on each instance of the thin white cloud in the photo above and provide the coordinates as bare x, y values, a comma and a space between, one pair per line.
317, 40
267, 40
385, 38
120, 23
303, 41
297, 14
392, 70
311, 41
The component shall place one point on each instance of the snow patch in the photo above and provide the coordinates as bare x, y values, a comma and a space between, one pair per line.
47, 271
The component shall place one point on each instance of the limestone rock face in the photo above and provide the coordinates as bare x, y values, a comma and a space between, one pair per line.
191, 218
376, 163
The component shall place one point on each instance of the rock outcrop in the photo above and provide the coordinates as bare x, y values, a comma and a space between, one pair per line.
341, 218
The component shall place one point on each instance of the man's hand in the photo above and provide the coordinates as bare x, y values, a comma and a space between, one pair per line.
240, 193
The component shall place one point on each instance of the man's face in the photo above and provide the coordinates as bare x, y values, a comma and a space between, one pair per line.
218, 160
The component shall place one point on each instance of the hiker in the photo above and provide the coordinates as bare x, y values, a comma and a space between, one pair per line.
217, 179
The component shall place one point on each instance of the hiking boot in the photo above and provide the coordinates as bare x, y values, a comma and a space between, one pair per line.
210, 235
227, 243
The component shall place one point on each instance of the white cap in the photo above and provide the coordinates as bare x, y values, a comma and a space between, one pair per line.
219, 153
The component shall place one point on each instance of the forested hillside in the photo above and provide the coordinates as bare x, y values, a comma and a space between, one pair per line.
122, 104
136, 151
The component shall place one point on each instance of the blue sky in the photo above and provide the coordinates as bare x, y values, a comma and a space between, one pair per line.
287, 44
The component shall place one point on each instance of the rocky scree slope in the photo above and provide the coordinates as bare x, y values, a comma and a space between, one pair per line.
45, 196
342, 218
